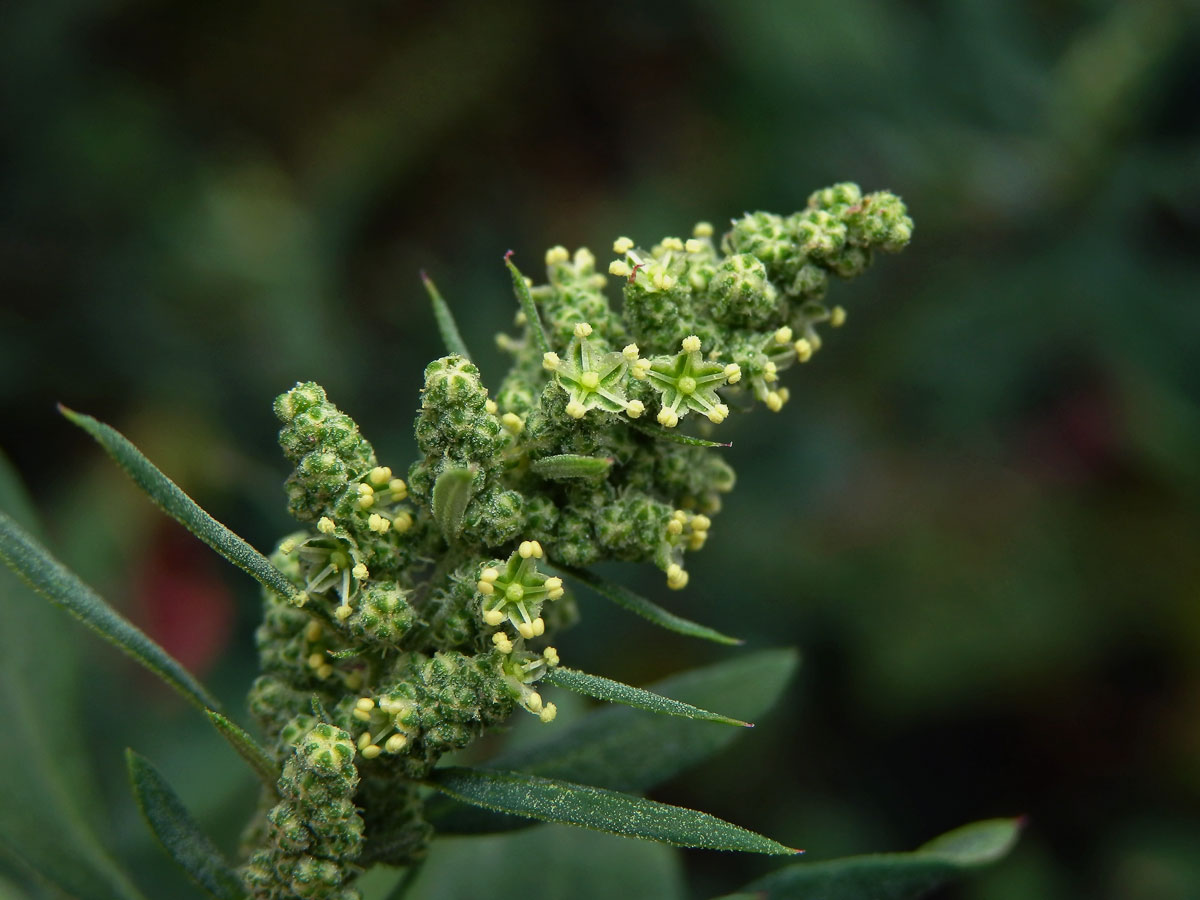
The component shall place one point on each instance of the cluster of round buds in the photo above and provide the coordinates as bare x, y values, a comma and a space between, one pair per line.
515, 591
689, 530
687, 381
384, 730
379, 493
522, 670
591, 377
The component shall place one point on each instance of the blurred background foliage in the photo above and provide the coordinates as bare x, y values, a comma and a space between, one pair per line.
979, 517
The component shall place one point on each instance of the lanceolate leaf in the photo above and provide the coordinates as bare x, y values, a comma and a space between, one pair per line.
616, 692
550, 800
670, 434
521, 288
451, 494
175, 503
622, 596
627, 750
61, 586
178, 833
451, 336
247, 748
892, 876
566, 466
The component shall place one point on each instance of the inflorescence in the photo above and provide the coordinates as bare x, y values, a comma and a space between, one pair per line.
427, 602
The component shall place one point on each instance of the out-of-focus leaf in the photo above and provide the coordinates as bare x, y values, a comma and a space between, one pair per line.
448, 328
892, 876
626, 749
571, 862
567, 803
60, 586
178, 833
175, 503
521, 289
616, 692
622, 596
451, 494
675, 437
43, 827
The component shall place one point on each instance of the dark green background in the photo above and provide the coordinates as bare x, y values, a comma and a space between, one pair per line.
978, 517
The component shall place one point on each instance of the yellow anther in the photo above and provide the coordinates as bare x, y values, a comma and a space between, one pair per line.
363, 715
674, 527
402, 522
697, 539
677, 578
371, 751
325, 671
512, 422
576, 410
352, 680
316, 660
550, 361
520, 319
526, 630
691, 245
837, 317
622, 245
360, 572
364, 703
668, 418
366, 501
557, 255
325, 525
804, 350
313, 632
770, 369
551, 656
539, 626
784, 394
584, 258
718, 414
366, 490
378, 523
343, 612
395, 743
582, 330
774, 401
620, 268
680, 516
635, 408
525, 550
486, 588
380, 475
701, 523
691, 344
590, 380
491, 407
640, 369
398, 488
301, 598
493, 616
286, 546
489, 574
534, 702
703, 230
537, 549
672, 243
733, 373
815, 340
630, 352
783, 335
364, 740
549, 711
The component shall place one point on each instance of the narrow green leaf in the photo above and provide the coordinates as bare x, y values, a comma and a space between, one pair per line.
893, 876
625, 749
521, 289
566, 466
451, 336
670, 434
622, 596
178, 833
246, 747
550, 800
616, 692
58, 584
175, 503
451, 494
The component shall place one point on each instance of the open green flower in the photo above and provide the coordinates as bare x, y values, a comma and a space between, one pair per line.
687, 381
591, 377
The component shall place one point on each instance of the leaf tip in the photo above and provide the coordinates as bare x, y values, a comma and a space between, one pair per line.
508, 256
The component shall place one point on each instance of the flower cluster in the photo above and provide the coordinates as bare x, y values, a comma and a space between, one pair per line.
430, 596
